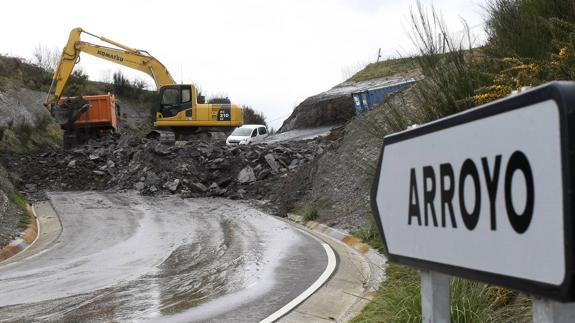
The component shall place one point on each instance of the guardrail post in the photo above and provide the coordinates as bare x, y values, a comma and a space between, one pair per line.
549, 311
435, 300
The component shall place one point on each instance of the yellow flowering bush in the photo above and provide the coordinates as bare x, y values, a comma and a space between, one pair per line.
518, 73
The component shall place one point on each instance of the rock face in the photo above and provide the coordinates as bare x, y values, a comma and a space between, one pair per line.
22, 108
23, 119
317, 111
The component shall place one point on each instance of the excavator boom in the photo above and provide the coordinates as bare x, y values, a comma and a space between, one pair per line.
125, 56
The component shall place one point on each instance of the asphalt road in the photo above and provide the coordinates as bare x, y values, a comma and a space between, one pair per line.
299, 134
125, 257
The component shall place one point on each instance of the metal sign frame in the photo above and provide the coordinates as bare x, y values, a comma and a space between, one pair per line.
563, 93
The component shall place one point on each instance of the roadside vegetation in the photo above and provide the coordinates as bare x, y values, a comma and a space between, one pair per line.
385, 68
20, 201
310, 212
530, 42
370, 235
252, 116
307, 208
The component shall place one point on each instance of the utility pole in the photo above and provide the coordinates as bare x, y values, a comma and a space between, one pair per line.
378, 55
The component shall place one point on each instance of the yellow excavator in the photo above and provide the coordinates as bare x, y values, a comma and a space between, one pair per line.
178, 106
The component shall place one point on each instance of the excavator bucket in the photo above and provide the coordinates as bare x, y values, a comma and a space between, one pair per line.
69, 110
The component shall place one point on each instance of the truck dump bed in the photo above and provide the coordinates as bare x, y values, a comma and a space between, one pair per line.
100, 115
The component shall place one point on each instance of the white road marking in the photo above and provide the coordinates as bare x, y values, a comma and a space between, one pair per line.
329, 269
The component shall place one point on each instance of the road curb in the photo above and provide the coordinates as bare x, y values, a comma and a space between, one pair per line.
25, 240
372, 257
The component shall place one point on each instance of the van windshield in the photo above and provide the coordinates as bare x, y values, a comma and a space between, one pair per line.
242, 132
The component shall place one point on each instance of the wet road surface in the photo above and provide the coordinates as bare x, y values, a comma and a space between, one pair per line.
300, 134
125, 257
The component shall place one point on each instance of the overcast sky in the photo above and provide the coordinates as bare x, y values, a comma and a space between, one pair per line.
269, 54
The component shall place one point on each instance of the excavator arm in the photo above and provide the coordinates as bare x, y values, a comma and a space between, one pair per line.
123, 55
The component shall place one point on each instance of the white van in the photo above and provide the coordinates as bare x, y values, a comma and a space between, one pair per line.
247, 134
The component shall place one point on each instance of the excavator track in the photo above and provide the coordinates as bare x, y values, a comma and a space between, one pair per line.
167, 137
190, 134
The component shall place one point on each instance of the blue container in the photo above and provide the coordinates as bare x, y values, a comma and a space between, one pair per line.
365, 100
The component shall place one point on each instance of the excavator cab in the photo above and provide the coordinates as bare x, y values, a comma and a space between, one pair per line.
176, 98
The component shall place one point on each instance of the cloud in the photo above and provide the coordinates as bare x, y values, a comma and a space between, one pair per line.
265, 53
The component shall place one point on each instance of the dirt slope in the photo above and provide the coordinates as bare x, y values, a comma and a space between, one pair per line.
343, 173
335, 106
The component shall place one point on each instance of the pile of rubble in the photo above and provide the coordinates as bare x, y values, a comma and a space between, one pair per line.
192, 169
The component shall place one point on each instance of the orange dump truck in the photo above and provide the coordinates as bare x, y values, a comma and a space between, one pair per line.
86, 117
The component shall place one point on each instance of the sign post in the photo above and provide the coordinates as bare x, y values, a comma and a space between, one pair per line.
486, 194
549, 311
435, 300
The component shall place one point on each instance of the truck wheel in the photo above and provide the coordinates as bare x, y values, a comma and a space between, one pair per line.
70, 139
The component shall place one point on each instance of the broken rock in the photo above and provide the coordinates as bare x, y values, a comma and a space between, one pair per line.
152, 178
246, 175
271, 160
198, 187
173, 186
139, 186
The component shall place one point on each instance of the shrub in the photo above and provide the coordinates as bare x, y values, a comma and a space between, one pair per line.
310, 211
451, 67
120, 84
135, 90
526, 28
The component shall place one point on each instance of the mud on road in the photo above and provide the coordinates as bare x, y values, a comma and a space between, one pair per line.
126, 257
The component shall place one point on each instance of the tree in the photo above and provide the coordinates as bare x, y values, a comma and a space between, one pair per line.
77, 82
121, 84
46, 58
253, 117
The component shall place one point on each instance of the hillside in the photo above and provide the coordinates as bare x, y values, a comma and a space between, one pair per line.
25, 126
335, 106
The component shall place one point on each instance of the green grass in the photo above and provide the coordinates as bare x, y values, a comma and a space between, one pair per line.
24, 139
370, 235
398, 300
310, 211
385, 68
20, 201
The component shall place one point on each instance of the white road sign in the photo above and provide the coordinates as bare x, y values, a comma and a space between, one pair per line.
485, 194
